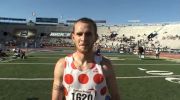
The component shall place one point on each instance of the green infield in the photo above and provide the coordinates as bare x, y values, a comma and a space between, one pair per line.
146, 79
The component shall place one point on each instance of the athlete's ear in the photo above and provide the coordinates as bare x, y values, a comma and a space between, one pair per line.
96, 38
72, 36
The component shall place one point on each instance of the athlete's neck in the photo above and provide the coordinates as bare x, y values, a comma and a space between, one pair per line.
84, 56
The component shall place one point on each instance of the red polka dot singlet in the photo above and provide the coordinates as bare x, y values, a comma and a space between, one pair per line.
89, 84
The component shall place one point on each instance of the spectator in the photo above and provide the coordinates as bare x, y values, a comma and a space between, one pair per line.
141, 52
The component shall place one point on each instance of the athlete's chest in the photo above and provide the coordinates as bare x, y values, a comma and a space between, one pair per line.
89, 78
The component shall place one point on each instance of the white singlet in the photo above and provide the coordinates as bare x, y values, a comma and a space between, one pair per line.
89, 84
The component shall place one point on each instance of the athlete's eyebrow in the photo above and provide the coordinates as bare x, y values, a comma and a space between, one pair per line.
79, 33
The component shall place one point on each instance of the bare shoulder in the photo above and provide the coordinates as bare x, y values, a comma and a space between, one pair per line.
107, 67
60, 63
106, 63
59, 68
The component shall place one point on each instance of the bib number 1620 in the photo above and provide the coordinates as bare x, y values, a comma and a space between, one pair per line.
82, 96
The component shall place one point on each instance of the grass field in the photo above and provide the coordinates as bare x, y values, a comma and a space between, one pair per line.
31, 79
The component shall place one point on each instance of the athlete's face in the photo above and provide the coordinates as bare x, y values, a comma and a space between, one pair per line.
84, 37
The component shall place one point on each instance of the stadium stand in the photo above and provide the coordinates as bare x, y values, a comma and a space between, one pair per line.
125, 37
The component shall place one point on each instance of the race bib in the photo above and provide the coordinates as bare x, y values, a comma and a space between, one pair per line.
76, 94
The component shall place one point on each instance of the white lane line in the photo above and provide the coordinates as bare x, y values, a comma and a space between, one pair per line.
147, 64
45, 79
43, 57
142, 69
54, 63
139, 77
27, 79
26, 63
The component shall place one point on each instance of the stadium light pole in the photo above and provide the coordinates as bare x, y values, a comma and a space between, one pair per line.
61, 19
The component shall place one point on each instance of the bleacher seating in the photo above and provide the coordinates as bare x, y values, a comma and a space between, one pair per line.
162, 35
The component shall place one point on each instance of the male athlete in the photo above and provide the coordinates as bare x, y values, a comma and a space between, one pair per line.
83, 75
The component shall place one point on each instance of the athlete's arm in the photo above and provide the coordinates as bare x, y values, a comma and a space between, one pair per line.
110, 79
57, 90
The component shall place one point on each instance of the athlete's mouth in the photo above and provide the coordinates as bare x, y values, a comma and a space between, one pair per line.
83, 44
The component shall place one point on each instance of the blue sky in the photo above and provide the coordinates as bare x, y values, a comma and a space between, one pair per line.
113, 11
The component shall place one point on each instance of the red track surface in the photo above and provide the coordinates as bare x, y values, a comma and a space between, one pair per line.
170, 55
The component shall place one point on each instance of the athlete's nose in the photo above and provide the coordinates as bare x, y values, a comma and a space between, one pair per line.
83, 37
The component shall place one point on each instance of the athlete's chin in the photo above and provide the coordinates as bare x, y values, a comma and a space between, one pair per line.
84, 50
